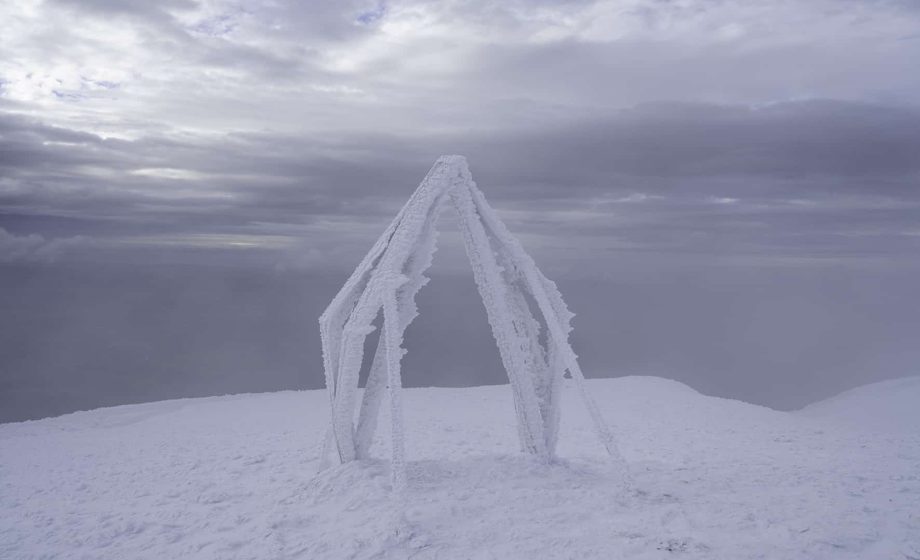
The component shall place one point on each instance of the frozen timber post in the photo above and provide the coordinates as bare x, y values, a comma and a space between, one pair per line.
389, 278
394, 353
494, 292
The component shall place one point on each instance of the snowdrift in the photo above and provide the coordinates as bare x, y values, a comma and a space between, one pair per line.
236, 477
887, 405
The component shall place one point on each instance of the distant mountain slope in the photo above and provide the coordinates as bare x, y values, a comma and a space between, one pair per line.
235, 477
887, 405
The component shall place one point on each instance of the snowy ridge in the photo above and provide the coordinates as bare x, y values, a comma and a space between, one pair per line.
235, 478
888, 405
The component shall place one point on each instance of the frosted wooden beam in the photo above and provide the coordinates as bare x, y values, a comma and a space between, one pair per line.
390, 276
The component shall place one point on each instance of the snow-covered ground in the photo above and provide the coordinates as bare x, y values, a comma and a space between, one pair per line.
235, 477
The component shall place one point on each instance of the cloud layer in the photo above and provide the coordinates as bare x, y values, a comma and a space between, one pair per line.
727, 191
282, 133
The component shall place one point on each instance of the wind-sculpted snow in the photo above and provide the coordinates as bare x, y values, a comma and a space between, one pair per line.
234, 478
520, 303
886, 405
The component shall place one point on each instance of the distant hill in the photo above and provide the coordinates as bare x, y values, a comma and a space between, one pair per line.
888, 405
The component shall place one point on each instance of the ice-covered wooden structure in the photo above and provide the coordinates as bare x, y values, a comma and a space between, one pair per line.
520, 302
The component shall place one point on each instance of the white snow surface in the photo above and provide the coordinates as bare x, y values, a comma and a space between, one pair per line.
887, 405
236, 477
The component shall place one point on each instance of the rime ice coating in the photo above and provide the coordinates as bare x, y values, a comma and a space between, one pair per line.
520, 302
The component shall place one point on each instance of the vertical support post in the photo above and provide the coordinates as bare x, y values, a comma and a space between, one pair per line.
373, 395
394, 356
493, 290
355, 330
571, 362
554, 322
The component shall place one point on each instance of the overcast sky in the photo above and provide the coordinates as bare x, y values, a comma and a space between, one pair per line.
612, 136
292, 131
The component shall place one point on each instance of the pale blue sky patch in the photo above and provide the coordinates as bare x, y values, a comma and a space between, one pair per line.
372, 16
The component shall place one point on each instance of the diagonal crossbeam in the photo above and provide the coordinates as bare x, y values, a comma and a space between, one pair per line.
520, 303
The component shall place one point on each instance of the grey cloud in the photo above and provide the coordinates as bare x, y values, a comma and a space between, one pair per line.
34, 247
133, 7
762, 67
808, 177
187, 50
858, 147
